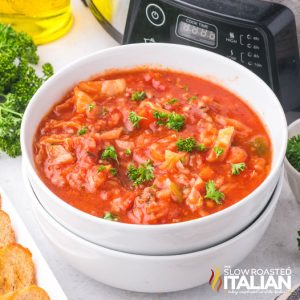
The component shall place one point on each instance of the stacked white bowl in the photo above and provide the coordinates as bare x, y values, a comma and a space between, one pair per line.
167, 257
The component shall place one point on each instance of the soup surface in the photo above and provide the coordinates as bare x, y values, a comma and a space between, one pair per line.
151, 147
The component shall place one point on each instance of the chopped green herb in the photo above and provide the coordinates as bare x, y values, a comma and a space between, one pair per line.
135, 119
82, 131
110, 153
160, 116
141, 174
172, 121
101, 168
138, 96
187, 145
175, 121
298, 240
172, 101
91, 106
192, 98
212, 192
19, 81
236, 169
201, 147
128, 152
113, 171
218, 151
260, 145
185, 88
111, 217
104, 111
183, 159
293, 152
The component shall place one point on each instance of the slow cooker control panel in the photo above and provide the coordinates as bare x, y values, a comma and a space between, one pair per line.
162, 21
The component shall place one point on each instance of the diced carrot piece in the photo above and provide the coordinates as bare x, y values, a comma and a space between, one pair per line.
64, 107
91, 87
206, 173
164, 194
112, 134
232, 122
156, 152
124, 144
236, 155
258, 163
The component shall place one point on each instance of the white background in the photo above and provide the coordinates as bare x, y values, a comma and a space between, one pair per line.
277, 249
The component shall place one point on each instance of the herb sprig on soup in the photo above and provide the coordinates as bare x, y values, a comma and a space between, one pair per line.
151, 147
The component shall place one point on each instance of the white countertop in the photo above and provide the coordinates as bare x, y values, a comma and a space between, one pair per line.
277, 249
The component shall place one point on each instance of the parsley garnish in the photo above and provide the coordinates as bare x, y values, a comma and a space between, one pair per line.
201, 147
172, 101
104, 111
82, 131
138, 96
175, 121
101, 168
135, 119
218, 151
18, 83
113, 171
212, 192
187, 145
190, 99
91, 106
236, 169
160, 116
141, 174
172, 121
110, 216
110, 153
128, 151
185, 88
293, 152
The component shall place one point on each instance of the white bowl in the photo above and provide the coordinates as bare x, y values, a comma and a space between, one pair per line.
292, 174
151, 274
170, 238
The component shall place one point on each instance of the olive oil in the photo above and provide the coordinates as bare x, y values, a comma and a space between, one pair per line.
105, 7
45, 21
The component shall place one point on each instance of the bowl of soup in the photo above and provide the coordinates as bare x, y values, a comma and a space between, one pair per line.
153, 274
154, 149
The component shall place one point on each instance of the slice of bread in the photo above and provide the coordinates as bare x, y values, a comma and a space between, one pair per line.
7, 235
32, 292
16, 268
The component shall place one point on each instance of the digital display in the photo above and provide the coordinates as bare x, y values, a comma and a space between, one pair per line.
196, 31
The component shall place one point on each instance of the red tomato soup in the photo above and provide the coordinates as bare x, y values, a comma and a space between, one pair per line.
151, 147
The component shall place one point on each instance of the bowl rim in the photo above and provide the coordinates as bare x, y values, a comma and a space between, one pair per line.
288, 165
272, 203
97, 55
